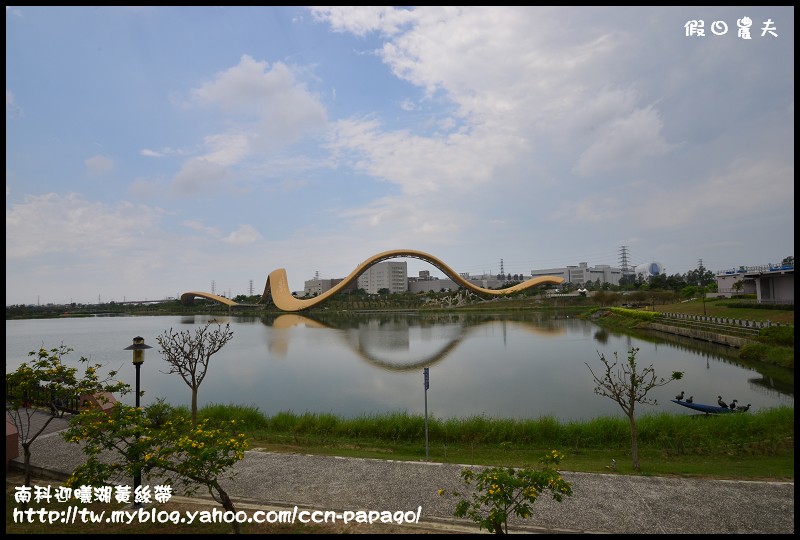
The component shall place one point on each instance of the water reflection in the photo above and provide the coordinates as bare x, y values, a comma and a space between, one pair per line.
481, 364
392, 334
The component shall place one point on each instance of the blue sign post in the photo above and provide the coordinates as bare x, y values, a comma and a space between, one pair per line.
427, 385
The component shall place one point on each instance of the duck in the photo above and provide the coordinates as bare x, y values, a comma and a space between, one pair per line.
745, 408
679, 396
721, 403
733, 404
690, 399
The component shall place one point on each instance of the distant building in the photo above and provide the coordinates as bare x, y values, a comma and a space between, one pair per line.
315, 287
446, 284
770, 283
390, 275
583, 274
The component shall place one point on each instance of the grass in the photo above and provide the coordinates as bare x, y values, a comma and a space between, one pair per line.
752, 445
721, 307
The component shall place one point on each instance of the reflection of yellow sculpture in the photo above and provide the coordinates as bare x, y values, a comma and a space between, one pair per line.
277, 286
279, 345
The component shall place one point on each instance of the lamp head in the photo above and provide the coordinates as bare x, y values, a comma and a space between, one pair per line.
138, 349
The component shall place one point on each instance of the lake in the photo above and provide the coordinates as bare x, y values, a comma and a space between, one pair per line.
504, 366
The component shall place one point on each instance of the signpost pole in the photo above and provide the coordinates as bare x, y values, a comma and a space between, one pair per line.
427, 385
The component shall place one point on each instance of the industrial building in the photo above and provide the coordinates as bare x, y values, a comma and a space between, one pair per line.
583, 274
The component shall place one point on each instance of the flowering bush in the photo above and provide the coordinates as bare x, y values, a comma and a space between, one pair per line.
194, 455
501, 492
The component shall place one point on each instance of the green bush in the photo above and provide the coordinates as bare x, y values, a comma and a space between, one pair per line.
753, 351
635, 313
749, 305
777, 335
158, 413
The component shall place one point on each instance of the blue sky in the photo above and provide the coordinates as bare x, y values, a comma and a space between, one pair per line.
156, 150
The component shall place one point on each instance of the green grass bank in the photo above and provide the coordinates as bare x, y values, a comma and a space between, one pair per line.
751, 445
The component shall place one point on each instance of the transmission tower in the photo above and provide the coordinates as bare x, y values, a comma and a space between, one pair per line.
251, 287
623, 261
502, 272
213, 287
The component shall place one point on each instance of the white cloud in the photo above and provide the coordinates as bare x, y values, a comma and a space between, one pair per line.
246, 234
623, 142
52, 224
421, 165
282, 107
99, 165
200, 227
363, 20
199, 176
12, 109
228, 149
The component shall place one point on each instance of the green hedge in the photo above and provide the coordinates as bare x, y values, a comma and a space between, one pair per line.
748, 305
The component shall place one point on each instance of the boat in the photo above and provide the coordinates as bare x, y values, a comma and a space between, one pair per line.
708, 409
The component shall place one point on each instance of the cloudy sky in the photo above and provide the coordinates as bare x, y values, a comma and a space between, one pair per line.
156, 150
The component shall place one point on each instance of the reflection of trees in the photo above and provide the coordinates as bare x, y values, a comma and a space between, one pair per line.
771, 387
601, 336
782, 377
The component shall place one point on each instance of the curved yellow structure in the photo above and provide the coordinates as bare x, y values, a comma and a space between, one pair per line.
277, 286
188, 296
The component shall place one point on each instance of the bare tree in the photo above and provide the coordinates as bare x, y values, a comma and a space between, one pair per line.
189, 355
628, 387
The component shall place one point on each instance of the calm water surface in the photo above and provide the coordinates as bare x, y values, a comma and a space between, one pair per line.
497, 366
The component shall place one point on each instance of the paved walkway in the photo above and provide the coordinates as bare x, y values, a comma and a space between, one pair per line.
601, 503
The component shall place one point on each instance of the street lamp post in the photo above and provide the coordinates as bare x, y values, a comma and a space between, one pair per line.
138, 349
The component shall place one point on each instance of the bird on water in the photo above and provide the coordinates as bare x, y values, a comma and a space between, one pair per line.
733, 404
721, 403
690, 399
745, 408
679, 396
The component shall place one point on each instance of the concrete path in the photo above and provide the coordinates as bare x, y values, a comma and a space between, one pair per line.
601, 503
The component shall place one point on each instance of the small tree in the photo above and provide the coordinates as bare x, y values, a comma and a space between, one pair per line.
189, 355
193, 456
43, 385
738, 286
501, 492
628, 387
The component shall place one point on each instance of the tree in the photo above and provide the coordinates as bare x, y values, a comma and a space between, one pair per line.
43, 386
189, 355
501, 492
738, 286
628, 387
191, 455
